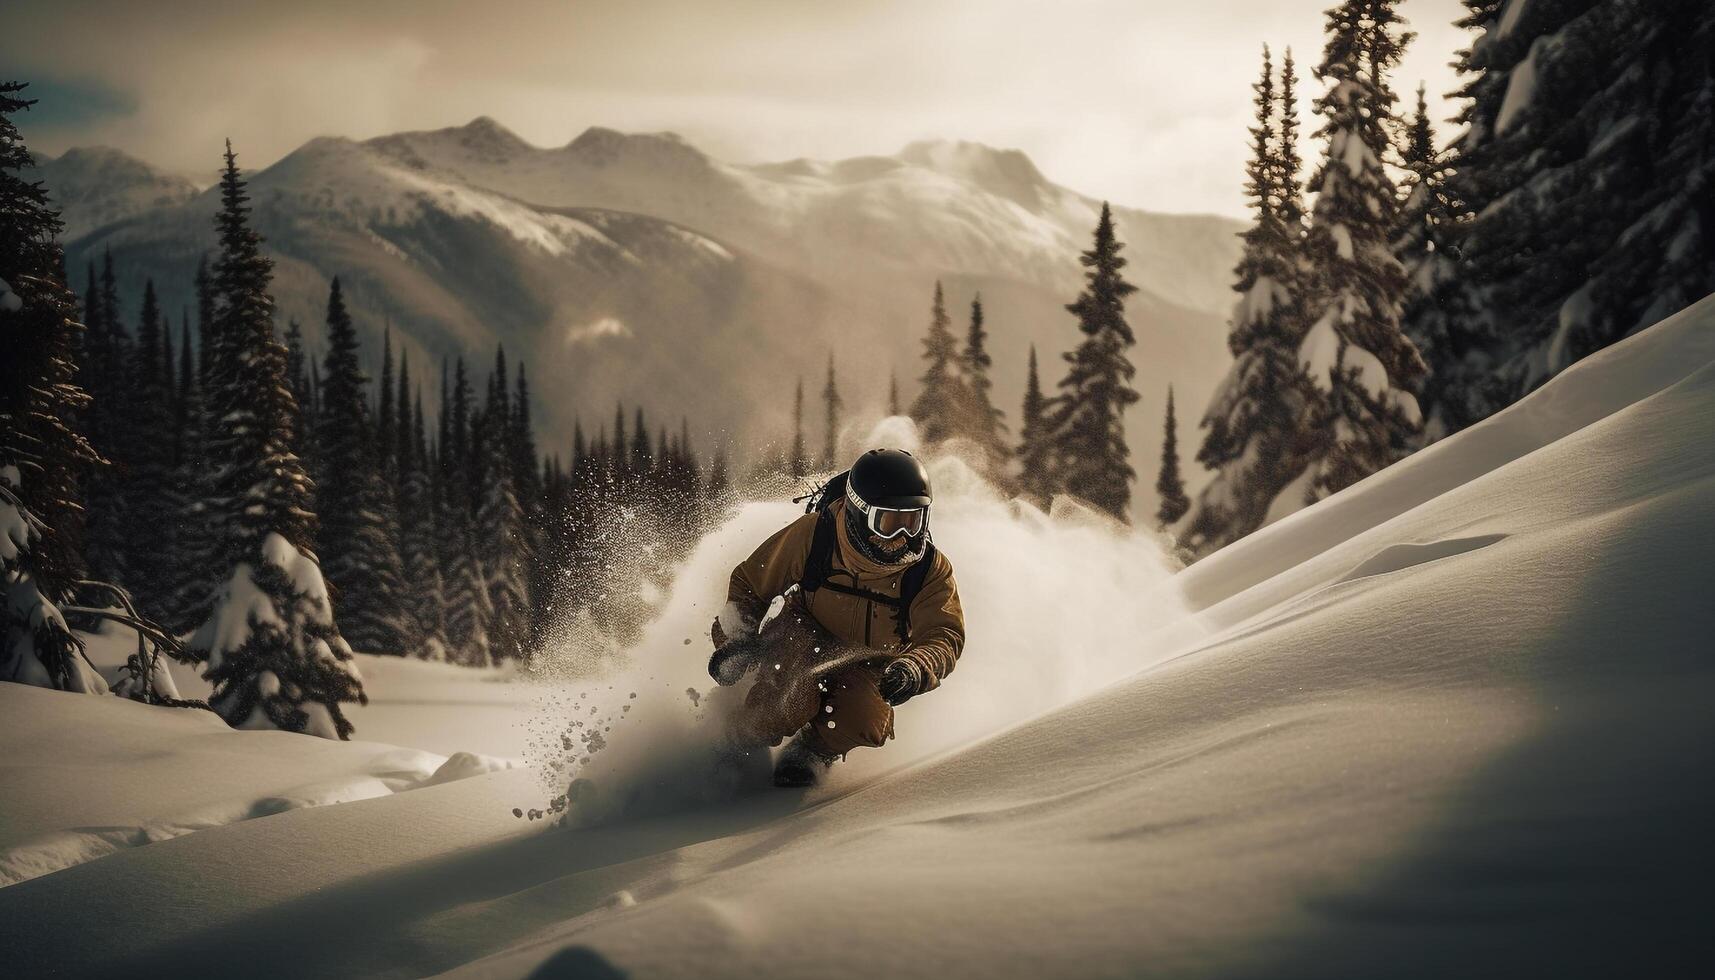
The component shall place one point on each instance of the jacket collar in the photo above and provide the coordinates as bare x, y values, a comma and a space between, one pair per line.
855, 561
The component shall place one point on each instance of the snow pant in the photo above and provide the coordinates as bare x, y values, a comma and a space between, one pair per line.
807, 679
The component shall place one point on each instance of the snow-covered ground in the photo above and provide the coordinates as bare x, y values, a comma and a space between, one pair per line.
1456, 720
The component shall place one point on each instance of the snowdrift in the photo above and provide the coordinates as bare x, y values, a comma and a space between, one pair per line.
1455, 720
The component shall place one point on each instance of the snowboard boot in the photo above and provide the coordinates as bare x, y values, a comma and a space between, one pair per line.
800, 766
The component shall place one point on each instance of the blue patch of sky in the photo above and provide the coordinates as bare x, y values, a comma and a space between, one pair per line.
65, 104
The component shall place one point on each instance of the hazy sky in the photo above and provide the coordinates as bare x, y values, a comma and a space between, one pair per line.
1141, 101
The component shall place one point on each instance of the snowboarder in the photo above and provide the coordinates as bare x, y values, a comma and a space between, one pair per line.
848, 612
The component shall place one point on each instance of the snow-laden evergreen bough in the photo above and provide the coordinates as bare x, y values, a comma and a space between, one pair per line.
36, 646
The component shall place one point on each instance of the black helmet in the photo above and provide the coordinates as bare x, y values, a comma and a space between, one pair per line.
891, 478
887, 497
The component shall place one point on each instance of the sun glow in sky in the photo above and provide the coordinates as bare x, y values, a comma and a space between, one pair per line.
1139, 101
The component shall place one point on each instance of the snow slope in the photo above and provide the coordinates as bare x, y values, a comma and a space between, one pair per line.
136, 775
1471, 736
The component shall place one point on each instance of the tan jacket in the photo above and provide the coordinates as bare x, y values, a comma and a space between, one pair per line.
937, 622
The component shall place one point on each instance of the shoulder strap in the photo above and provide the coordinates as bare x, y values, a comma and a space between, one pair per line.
820, 561
910, 585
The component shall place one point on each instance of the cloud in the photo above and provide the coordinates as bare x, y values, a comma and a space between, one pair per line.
595, 331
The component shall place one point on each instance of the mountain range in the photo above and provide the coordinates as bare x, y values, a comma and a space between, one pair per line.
636, 267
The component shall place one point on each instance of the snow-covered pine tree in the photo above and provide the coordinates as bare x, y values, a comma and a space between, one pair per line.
1586, 170
42, 451
1255, 426
936, 407
468, 611
1354, 351
424, 596
1423, 246
1036, 481
979, 420
502, 544
1168, 485
531, 482
274, 654
799, 461
356, 540
1087, 426
152, 505
831, 406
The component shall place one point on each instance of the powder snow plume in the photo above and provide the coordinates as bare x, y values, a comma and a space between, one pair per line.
1056, 605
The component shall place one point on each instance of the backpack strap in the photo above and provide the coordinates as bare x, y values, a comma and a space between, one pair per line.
820, 561
819, 564
911, 584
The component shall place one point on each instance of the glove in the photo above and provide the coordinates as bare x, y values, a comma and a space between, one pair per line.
731, 662
900, 681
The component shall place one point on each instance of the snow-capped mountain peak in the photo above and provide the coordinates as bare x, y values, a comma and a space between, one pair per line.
1007, 173
480, 141
599, 146
98, 185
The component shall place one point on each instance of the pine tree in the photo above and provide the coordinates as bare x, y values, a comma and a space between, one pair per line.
1289, 166
1168, 486
468, 610
191, 577
288, 665
720, 482
800, 458
1422, 245
205, 321
831, 405
111, 431
936, 408
521, 443
1256, 440
501, 543
424, 598
357, 545
405, 440
1036, 480
151, 506
979, 420
893, 393
1355, 353
1090, 458
298, 379
42, 451
386, 414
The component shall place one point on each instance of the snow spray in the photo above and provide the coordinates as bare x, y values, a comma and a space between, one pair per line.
1057, 605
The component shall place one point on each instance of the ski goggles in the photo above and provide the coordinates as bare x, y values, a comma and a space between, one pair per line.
888, 523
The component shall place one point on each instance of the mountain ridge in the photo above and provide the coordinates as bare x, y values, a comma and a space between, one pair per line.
468, 236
